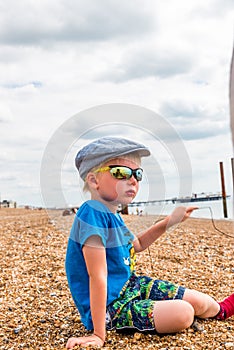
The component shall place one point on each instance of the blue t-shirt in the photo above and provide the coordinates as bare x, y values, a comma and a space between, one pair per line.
94, 218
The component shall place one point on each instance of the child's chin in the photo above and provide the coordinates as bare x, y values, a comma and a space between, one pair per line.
127, 201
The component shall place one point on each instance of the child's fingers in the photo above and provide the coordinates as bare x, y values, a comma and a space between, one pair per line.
191, 209
89, 340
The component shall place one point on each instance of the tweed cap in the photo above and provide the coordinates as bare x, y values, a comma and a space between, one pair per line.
104, 149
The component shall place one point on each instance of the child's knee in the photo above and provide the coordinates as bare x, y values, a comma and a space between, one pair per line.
173, 316
199, 301
186, 316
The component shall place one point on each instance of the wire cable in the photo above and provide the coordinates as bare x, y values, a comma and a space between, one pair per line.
213, 223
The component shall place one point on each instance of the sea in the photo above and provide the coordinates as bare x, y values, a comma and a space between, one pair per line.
207, 209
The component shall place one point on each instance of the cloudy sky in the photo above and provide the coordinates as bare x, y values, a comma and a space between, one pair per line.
61, 58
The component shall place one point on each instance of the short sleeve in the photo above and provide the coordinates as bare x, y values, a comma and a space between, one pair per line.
90, 222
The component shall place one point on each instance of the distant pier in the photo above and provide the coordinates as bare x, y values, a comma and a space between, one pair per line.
194, 198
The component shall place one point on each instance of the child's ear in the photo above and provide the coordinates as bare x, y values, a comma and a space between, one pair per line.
92, 180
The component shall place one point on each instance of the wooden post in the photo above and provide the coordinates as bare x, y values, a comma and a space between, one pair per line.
223, 190
232, 162
124, 210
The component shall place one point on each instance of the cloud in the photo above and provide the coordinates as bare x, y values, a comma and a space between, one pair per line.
194, 121
5, 115
35, 84
201, 129
8, 178
2, 120
27, 23
144, 62
217, 8
192, 110
178, 108
62, 57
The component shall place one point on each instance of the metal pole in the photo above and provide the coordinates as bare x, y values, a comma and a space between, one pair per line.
223, 190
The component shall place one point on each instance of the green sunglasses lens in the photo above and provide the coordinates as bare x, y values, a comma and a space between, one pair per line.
122, 172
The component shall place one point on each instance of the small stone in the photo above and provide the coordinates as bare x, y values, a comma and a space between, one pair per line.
197, 327
17, 330
137, 336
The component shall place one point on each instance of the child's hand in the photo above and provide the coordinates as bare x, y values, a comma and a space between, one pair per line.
188, 212
93, 340
180, 214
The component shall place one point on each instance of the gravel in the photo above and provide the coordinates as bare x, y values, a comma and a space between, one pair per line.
37, 311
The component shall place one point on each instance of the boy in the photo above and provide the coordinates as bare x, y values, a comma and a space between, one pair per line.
101, 253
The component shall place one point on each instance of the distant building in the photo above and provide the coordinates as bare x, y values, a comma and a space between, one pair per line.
7, 204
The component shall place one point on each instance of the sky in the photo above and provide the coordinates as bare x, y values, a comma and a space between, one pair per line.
72, 71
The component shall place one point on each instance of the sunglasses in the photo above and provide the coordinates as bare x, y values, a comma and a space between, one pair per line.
122, 172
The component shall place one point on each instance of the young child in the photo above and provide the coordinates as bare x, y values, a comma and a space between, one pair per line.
101, 254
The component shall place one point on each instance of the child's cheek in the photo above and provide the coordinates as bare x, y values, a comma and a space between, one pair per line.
108, 189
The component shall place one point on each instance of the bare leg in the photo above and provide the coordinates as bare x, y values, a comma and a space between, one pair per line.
204, 306
171, 316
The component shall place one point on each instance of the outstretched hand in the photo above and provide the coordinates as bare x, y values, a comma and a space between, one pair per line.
93, 340
188, 212
180, 214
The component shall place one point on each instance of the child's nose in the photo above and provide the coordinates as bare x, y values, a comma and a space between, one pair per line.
133, 180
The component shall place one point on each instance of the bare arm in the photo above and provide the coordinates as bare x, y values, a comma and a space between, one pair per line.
147, 237
95, 258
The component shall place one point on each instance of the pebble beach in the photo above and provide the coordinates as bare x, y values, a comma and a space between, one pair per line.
37, 311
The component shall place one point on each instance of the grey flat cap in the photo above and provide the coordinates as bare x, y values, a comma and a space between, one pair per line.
103, 149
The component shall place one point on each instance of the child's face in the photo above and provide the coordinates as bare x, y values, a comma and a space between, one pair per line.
115, 191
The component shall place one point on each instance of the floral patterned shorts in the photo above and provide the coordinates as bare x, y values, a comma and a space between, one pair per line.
135, 305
